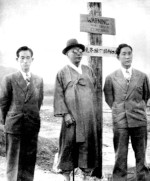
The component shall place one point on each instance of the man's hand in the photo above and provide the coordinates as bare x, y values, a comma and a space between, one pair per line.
69, 120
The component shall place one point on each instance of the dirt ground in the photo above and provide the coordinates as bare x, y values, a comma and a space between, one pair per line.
50, 129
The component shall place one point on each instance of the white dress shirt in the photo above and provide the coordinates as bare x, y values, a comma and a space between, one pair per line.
25, 74
127, 73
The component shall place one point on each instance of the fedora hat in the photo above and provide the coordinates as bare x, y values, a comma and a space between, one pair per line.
71, 44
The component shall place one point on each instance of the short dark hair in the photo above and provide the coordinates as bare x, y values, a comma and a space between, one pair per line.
123, 45
24, 48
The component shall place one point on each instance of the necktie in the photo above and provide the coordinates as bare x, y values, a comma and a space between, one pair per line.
127, 75
27, 79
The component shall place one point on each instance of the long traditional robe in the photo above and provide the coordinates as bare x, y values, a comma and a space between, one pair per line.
75, 94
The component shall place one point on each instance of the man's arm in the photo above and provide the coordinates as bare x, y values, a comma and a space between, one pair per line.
108, 91
41, 94
146, 89
60, 108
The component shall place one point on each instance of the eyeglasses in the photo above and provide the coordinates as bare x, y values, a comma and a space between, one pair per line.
77, 51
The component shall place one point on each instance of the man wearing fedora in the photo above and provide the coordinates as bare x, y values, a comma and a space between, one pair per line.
75, 103
20, 101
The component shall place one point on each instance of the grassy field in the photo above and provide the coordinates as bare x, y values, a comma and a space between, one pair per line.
49, 134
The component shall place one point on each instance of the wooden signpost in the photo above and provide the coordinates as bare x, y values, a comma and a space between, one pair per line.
96, 25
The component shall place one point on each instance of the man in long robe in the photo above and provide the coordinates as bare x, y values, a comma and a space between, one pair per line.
75, 102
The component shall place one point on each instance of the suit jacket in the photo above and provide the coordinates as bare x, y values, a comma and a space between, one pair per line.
20, 105
128, 101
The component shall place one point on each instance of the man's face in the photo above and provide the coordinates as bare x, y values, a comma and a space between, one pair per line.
75, 55
25, 60
125, 57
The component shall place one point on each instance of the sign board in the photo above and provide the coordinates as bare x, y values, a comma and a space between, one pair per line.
100, 51
97, 24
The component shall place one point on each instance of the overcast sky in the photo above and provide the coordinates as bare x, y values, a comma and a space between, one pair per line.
46, 25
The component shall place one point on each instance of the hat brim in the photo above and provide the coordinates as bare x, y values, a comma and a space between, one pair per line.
65, 50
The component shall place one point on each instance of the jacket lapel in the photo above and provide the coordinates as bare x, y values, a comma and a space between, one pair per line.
21, 82
133, 82
30, 89
121, 80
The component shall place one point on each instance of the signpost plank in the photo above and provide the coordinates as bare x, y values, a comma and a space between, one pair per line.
97, 24
100, 51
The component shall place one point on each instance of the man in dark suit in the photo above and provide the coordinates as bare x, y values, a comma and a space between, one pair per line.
127, 92
20, 101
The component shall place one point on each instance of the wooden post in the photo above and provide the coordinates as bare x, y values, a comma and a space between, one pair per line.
94, 9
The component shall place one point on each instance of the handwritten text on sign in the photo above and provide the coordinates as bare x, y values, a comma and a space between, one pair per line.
96, 24
100, 51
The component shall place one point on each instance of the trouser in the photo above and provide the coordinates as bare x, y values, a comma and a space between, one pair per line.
139, 142
21, 156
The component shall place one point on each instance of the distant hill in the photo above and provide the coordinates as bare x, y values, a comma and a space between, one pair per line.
48, 88
6, 70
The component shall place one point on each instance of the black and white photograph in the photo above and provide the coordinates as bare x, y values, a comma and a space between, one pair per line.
74, 90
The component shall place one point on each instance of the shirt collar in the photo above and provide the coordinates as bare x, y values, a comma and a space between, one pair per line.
124, 70
78, 69
24, 74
